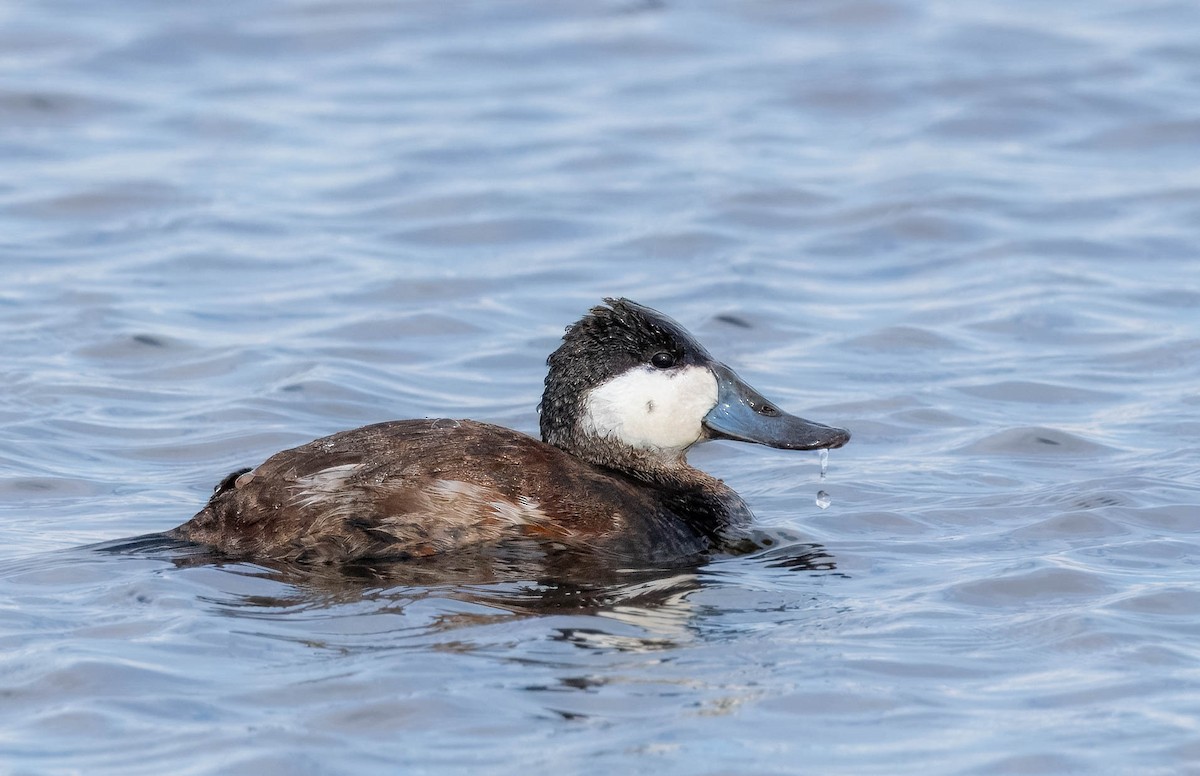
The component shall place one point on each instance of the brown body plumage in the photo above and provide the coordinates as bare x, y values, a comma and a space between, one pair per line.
418, 487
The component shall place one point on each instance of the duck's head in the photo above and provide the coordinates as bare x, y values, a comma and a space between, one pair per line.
630, 384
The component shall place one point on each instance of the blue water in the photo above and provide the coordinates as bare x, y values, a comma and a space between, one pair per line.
966, 231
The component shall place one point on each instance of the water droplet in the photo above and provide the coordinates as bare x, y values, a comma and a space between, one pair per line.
824, 463
823, 500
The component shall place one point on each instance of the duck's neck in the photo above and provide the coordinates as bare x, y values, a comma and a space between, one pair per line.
660, 466
703, 501
663, 468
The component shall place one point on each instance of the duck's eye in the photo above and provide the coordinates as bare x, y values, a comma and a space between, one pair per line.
663, 359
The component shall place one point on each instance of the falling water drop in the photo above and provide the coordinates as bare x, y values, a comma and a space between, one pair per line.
823, 500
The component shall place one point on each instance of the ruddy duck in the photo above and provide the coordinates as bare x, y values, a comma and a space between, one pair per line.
628, 392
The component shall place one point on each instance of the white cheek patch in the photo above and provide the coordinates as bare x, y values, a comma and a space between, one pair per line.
652, 408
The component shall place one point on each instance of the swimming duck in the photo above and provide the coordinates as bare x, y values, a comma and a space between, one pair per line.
628, 391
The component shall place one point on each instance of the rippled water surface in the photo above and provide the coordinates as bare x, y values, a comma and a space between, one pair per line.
966, 231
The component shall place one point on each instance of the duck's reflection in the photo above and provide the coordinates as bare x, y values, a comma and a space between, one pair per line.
610, 601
